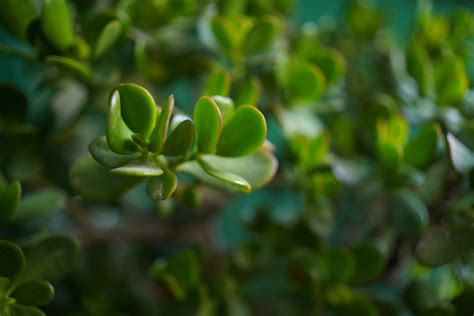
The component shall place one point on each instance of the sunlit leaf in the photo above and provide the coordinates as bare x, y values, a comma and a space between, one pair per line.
57, 23
208, 121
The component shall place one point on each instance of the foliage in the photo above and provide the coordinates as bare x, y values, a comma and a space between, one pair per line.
322, 169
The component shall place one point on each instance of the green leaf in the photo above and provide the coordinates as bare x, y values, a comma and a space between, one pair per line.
138, 108
420, 295
451, 81
162, 187
41, 203
462, 158
252, 131
224, 33
302, 82
9, 199
443, 244
20, 310
257, 169
51, 257
248, 92
234, 180
388, 155
442, 310
107, 38
226, 107
14, 104
36, 293
408, 214
369, 263
101, 152
180, 140
17, 15
95, 182
208, 121
72, 66
57, 23
119, 135
336, 265
357, 306
263, 35
419, 150
139, 168
13, 260
330, 62
218, 83
420, 68
160, 131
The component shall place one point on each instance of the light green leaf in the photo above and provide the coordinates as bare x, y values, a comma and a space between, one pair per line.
119, 135
451, 81
9, 198
224, 33
162, 187
57, 23
408, 214
160, 131
138, 108
17, 15
263, 35
252, 131
139, 168
95, 182
420, 68
248, 92
234, 180
36, 293
330, 62
443, 244
208, 121
41, 203
218, 83
107, 38
180, 140
101, 152
226, 107
13, 260
72, 66
419, 150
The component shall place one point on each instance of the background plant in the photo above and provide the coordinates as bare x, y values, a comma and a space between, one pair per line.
147, 134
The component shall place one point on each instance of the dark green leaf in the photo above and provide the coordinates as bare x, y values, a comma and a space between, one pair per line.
51, 257
101, 152
72, 66
12, 259
252, 131
369, 263
17, 15
36, 293
442, 244
180, 140
95, 182
137, 108
263, 35
107, 38
224, 33
9, 198
208, 121
419, 150
331, 63
14, 103
408, 214
160, 131
57, 23
420, 295
41, 203
336, 265
20, 310
162, 187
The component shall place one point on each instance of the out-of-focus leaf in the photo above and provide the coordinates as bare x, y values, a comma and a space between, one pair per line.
420, 68
107, 38
263, 34
218, 83
14, 104
330, 62
420, 296
158, 136
17, 15
21, 310
95, 182
208, 121
408, 214
41, 203
252, 131
336, 265
162, 187
419, 150
57, 23
9, 198
369, 263
462, 157
248, 92
451, 82
13, 260
443, 244
180, 139
72, 66
36, 293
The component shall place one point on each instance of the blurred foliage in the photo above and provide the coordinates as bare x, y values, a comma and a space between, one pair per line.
139, 143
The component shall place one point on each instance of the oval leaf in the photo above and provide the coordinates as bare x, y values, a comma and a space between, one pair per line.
244, 133
36, 293
234, 180
139, 168
162, 187
57, 23
208, 120
408, 213
108, 36
72, 66
419, 150
9, 198
160, 131
42, 203
101, 152
12, 259
180, 140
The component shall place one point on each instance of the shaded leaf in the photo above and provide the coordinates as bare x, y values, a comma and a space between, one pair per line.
160, 131
41, 203
72, 66
36, 293
9, 198
180, 140
17, 15
57, 23
408, 214
107, 38
419, 150
462, 158
101, 152
369, 263
12, 259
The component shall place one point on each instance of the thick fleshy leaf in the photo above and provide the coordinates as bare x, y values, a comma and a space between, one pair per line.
419, 150
57, 23
408, 214
243, 133
95, 182
36, 293
232, 179
9, 198
41, 203
119, 135
138, 108
462, 158
442, 244
369, 263
162, 187
21, 310
248, 92
72, 66
218, 83
208, 121
158, 137
263, 35
12, 259
180, 139
139, 168
51, 257
226, 107
107, 38
451, 81
101, 152
17, 15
